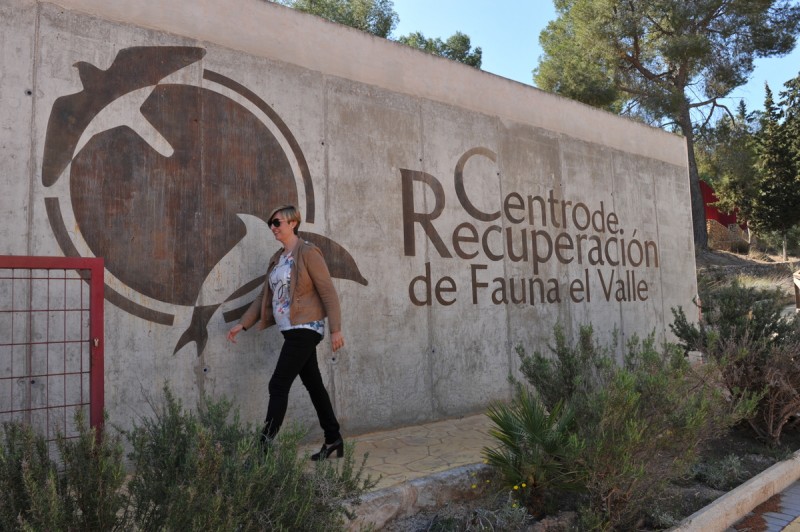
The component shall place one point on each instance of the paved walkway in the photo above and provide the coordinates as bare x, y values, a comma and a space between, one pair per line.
412, 452
780, 512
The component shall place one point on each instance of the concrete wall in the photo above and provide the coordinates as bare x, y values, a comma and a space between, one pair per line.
462, 214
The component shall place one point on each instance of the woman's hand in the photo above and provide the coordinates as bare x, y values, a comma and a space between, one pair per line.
236, 329
337, 341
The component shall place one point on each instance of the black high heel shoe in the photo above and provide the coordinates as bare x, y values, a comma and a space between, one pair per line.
327, 450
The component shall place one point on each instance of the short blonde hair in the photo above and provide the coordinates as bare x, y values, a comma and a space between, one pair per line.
290, 214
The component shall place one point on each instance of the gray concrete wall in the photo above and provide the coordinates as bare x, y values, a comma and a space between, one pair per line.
462, 213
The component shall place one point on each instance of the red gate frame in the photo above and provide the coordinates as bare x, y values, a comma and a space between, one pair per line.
96, 313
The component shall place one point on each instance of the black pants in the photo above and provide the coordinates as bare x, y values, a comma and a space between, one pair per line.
299, 357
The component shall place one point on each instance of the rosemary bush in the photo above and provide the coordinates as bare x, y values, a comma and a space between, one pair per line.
207, 471
24, 461
191, 471
83, 493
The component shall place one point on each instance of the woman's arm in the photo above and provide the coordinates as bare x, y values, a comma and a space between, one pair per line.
236, 329
253, 312
337, 341
321, 277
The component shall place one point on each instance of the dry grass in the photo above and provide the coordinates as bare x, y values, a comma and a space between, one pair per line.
784, 283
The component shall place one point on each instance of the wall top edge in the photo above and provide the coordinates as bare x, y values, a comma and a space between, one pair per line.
265, 29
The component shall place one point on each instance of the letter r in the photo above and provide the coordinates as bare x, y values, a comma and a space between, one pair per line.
425, 220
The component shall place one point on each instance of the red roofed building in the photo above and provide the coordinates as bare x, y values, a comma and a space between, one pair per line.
724, 231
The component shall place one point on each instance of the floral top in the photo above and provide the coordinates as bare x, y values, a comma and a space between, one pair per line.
279, 280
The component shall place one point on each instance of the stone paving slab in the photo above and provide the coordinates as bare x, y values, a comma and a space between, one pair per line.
405, 454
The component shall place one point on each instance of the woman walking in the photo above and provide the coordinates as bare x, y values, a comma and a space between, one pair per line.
297, 296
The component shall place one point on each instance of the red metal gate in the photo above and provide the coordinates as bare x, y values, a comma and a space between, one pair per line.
51, 341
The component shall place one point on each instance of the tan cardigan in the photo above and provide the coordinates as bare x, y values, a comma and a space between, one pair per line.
311, 293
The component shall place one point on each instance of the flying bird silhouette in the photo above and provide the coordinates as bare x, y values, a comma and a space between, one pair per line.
132, 69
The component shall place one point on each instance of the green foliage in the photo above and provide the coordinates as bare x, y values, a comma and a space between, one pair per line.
723, 474
94, 475
24, 461
572, 374
192, 472
726, 158
205, 472
85, 493
457, 47
651, 52
773, 242
537, 448
732, 312
377, 17
660, 60
755, 166
742, 330
581, 73
740, 247
640, 423
774, 208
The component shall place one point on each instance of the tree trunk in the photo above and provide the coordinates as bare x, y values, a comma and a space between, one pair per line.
698, 207
784, 248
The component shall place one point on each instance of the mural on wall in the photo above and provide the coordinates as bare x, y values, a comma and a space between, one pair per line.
162, 222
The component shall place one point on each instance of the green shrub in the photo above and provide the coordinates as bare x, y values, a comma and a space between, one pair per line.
23, 460
770, 370
773, 241
205, 472
84, 493
740, 246
642, 423
756, 348
572, 374
537, 448
722, 474
94, 474
732, 312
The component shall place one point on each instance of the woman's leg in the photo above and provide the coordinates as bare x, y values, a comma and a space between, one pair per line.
298, 346
312, 380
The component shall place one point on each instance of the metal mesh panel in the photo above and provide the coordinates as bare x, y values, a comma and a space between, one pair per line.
51, 342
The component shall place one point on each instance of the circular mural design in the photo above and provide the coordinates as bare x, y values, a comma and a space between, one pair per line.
163, 222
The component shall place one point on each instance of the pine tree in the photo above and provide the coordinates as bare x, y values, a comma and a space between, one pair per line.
776, 207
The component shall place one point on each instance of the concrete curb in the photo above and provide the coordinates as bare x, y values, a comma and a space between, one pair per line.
433, 491
728, 509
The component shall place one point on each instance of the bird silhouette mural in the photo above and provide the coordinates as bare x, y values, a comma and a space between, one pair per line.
164, 220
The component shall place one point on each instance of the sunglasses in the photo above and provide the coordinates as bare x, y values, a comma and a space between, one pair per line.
275, 223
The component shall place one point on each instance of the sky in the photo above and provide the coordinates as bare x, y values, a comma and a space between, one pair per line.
507, 32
